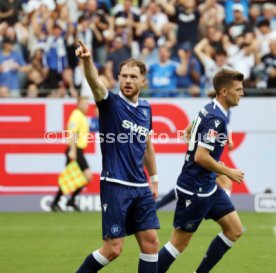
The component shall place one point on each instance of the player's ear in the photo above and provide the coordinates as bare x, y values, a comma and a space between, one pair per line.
144, 81
223, 91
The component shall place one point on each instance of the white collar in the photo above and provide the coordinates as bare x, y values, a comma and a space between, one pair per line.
134, 104
218, 104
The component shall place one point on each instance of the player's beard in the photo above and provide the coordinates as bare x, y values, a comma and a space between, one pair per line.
129, 93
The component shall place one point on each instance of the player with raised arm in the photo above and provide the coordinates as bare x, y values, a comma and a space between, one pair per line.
199, 196
128, 205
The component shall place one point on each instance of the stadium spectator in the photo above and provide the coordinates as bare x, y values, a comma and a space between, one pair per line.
191, 80
269, 61
240, 25
9, 11
128, 205
213, 16
230, 5
10, 64
162, 75
100, 22
154, 19
149, 51
187, 16
212, 61
78, 127
120, 53
269, 13
198, 195
264, 35
30, 23
215, 37
254, 14
56, 57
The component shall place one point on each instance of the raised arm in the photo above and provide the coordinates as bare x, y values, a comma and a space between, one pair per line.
91, 73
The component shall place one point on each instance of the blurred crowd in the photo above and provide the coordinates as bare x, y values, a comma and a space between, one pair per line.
182, 42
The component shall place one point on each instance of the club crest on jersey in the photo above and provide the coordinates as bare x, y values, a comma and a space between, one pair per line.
115, 229
135, 127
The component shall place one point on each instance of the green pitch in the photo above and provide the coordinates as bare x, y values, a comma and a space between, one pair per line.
58, 243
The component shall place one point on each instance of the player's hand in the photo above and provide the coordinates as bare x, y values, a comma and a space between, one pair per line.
230, 145
236, 175
83, 51
154, 189
72, 155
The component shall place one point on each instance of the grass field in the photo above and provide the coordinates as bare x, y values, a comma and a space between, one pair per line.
58, 242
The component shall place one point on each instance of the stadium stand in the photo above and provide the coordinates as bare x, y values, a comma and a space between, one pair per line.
38, 39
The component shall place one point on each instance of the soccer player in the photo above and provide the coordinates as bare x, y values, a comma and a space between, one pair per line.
198, 194
222, 180
78, 128
128, 205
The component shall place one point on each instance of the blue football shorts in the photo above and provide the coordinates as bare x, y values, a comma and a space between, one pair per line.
192, 209
126, 210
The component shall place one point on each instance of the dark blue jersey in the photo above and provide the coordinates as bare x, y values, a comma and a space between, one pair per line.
124, 130
209, 131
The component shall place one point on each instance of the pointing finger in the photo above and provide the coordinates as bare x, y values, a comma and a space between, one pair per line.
82, 45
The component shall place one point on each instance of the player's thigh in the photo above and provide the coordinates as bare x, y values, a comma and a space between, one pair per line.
180, 239
221, 206
116, 203
231, 225
190, 211
148, 241
143, 213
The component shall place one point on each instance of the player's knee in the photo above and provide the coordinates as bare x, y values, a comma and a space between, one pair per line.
115, 251
150, 246
236, 233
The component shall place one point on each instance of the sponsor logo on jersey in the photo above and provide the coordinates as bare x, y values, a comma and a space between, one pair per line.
135, 127
211, 135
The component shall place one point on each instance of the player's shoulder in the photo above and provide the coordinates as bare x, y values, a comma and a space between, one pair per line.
143, 103
210, 113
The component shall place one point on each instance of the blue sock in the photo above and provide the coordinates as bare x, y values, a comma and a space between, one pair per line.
168, 198
218, 247
166, 257
93, 263
148, 263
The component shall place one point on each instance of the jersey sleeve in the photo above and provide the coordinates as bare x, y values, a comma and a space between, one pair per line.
212, 130
107, 100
